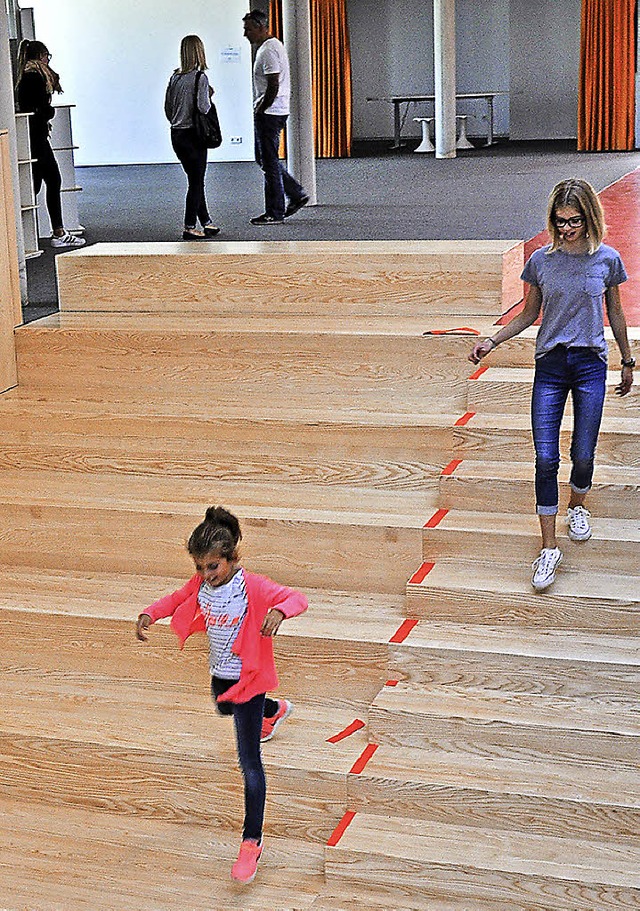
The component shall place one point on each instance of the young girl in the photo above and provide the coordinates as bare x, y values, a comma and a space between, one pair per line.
36, 84
241, 612
567, 280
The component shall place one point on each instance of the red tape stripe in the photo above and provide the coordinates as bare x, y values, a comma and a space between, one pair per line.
436, 518
478, 373
403, 631
451, 467
391, 683
347, 732
421, 574
366, 755
340, 829
465, 419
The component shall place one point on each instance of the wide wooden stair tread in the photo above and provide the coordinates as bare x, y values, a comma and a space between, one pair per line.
424, 848
461, 536
72, 857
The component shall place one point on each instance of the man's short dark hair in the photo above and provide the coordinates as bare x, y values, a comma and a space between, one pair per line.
257, 16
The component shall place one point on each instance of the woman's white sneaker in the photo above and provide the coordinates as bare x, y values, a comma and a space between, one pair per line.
67, 240
578, 522
544, 567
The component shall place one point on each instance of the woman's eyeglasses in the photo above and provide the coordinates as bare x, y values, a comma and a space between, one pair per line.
575, 222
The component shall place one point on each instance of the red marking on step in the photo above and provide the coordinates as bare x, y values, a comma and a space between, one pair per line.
421, 574
465, 419
340, 829
391, 683
347, 732
436, 518
403, 631
451, 467
365, 756
478, 373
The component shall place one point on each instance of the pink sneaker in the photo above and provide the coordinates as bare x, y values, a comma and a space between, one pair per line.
245, 868
270, 725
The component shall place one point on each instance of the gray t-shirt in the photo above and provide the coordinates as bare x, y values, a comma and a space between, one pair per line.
179, 97
572, 287
224, 608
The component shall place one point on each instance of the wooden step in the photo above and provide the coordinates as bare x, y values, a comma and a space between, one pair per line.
79, 740
510, 724
72, 859
292, 276
372, 450
507, 437
457, 536
507, 390
483, 486
543, 797
343, 635
301, 534
502, 594
137, 358
519, 660
437, 862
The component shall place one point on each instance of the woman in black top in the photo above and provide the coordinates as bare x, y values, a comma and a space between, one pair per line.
36, 84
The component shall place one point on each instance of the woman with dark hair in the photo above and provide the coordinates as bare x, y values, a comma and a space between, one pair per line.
36, 84
180, 107
568, 280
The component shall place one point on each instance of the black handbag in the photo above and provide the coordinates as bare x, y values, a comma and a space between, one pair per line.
207, 126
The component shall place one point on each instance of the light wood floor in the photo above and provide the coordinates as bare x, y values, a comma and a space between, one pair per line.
458, 741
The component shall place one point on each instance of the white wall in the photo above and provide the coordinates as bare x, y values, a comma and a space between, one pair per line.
115, 58
545, 57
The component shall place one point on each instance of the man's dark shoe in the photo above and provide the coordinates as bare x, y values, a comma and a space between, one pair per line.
265, 219
295, 205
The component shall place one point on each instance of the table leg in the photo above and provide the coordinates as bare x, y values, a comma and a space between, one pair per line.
490, 120
396, 125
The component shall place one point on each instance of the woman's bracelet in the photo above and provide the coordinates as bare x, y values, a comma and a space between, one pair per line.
493, 344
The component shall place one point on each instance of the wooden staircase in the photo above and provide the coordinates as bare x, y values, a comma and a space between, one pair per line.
459, 742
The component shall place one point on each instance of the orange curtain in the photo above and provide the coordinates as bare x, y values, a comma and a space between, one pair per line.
331, 74
606, 88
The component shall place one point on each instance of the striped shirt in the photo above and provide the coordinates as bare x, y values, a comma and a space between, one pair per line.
224, 608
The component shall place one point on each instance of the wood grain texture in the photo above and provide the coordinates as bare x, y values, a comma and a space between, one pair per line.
10, 305
375, 276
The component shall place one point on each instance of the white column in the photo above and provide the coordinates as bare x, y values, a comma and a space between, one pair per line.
444, 52
8, 122
301, 162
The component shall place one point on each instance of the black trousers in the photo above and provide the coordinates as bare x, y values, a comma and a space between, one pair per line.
193, 158
45, 169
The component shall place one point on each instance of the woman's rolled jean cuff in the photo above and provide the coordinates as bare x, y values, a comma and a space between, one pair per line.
579, 489
547, 510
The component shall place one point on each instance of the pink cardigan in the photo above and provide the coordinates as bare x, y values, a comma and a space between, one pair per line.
258, 673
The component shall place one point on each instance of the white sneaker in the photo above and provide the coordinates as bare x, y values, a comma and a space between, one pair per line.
67, 240
578, 522
544, 567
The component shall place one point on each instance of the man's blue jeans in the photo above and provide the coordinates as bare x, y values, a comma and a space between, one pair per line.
561, 371
278, 183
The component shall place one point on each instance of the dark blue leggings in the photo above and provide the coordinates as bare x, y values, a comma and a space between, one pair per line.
247, 718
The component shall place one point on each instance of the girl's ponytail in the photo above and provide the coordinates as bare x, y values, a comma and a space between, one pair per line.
219, 532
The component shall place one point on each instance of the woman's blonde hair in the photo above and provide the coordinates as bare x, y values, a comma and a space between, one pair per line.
580, 195
192, 56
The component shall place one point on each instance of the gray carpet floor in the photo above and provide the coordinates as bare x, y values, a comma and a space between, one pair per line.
497, 192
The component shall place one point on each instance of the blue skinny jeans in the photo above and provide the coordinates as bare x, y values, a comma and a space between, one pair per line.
581, 372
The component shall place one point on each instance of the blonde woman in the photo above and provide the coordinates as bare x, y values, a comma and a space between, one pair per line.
180, 108
567, 282
36, 84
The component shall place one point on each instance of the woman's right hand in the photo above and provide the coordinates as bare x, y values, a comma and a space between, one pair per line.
142, 625
481, 349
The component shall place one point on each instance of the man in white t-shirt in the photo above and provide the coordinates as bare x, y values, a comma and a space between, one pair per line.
271, 91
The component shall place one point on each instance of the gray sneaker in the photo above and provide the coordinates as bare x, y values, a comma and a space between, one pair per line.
544, 568
578, 522
67, 240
